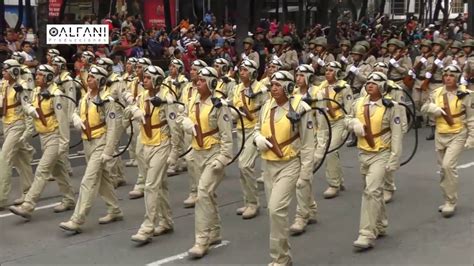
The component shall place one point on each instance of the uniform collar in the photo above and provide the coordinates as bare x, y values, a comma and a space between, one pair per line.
377, 103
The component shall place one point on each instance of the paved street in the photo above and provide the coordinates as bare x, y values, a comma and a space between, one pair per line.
417, 233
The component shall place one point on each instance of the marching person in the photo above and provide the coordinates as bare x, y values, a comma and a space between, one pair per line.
249, 97
288, 154
211, 128
97, 120
248, 52
17, 130
376, 122
468, 67
225, 84
157, 113
336, 89
190, 91
453, 108
131, 82
320, 58
51, 121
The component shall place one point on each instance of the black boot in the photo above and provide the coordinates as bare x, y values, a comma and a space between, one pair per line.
353, 141
431, 136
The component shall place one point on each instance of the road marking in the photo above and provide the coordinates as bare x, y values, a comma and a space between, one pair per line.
39, 208
183, 255
462, 166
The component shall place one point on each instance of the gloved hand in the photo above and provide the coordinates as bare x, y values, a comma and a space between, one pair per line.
439, 63
411, 73
428, 75
394, 62
275, 57
188, 126
390, 168
435, 110
217, 165
77, 122
463, 81
358, 128
321, 62
354, 69
139, 116
344, 59
423, 61
454, 62
301, 183
469, 144
311, 55
105, 158
262, 143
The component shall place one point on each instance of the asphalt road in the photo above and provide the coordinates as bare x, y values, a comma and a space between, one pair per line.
417, 233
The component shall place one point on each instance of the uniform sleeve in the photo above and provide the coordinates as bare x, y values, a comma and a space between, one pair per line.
224, 123
307, 144
25, 99
428, 107
61, 112
397, 137
171, 111
348, 99
469, 106
111, 122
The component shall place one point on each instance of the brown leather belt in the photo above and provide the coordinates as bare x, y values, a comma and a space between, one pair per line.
385, 130
162, 123
210, 133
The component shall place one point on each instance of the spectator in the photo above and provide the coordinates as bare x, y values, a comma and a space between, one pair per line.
118, 65
189, 57
30, 56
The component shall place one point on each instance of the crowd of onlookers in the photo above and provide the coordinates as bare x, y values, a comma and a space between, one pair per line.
207, 40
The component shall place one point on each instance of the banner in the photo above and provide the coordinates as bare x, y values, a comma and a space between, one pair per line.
154, 13
54, 8
77, 34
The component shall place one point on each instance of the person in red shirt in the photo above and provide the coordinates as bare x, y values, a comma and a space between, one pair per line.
188, 57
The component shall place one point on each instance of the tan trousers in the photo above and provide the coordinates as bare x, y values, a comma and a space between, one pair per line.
193, 171
448, 148
247, 158
333, 161
141, 165
96, 179
19, 155
280, 183
208, 221
157, 203
51, 163
372, 212
117, 168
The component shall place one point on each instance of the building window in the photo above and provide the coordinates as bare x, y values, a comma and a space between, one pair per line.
398, 7
457, 6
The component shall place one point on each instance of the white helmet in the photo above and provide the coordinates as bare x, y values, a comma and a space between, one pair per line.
210, 75
156, 73
285, 79
307, 71
12, 67
47, 71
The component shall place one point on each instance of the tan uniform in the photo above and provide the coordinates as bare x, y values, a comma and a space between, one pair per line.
251, 108
357, 80
176, 84
53, 130
252, 55
421, 96
16, 129
97, 179
27, 76
342, 93
345, 60
160, 141
289, 58
215, 146
450, 136
396, 74
281, 173
320, 70
225, 89
371, 60
376, 159
437, 79
468, 71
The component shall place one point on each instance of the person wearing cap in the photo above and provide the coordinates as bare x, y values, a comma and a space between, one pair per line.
188, 96
115, 88
175, 82
131, 96
339, 90
441, 59
452, 105
25, 72
248, 52
277, 50
370, 58
273, 66
457, 53
156, 111
87, 59
289, 57
468, 67
398, 62
50, 117
344, 56
424, 63
225, 84
288, 154
249, 97
131, 81
97, 120
376, 122
211, 128
357, 72
383, 53
17, 129
50, 55
306, 206
320, 57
